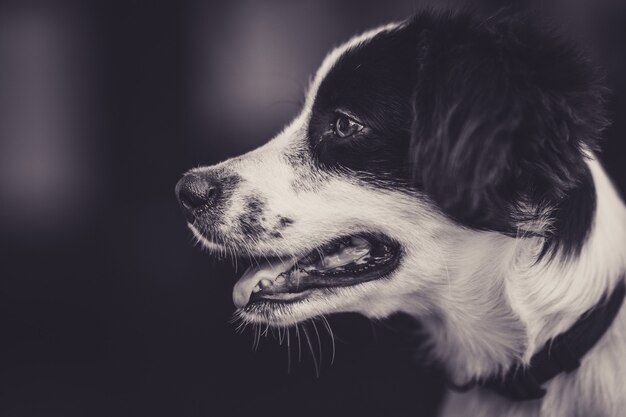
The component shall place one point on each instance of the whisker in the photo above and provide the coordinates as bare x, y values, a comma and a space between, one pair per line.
235, 318
273, 333
308, 341
288, 351
242, 327
319, 341
332, 337
281, 335
299, 344
257, 336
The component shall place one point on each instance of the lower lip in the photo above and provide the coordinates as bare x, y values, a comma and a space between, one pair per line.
284, 297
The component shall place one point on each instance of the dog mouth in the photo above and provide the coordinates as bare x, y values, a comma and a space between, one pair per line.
343, 262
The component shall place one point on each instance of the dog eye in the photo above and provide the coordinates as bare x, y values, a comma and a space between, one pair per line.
345, 126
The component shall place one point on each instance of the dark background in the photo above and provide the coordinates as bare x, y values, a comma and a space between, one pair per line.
106, 308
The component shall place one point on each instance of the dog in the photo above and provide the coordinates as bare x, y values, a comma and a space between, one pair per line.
444, 167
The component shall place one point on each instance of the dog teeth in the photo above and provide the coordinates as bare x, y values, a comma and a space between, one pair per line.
265, 283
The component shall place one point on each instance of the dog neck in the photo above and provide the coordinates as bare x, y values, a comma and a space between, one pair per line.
512, 305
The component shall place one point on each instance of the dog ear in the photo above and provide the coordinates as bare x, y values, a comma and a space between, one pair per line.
502, 115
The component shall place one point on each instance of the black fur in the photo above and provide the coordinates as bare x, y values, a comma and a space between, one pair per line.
373, 82
249, 220
487, 117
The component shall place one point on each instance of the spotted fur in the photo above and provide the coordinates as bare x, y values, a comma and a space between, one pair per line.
478, 158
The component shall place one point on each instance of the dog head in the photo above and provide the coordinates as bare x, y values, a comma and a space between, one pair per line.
425, 151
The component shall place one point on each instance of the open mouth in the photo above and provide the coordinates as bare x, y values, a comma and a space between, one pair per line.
343, 262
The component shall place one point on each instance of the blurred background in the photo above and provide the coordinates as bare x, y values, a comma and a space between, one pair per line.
106, 308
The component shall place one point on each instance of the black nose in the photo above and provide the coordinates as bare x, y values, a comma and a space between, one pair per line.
197, 191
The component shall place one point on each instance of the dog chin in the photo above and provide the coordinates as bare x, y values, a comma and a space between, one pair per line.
283, 289
202, 240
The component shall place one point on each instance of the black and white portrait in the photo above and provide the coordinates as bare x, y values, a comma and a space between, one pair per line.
337, 208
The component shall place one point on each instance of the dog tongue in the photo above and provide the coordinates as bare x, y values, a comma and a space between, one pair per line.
264, 270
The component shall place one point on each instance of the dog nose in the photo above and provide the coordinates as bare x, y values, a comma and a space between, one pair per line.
196, 191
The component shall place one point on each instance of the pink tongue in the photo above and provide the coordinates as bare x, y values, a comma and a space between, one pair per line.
264, 270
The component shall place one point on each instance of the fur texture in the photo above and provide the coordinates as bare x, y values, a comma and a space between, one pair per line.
476, 155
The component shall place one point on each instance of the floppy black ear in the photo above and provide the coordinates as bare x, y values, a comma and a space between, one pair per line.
503, 112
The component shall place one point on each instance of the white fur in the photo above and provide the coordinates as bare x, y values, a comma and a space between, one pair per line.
484, 298
548, 298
